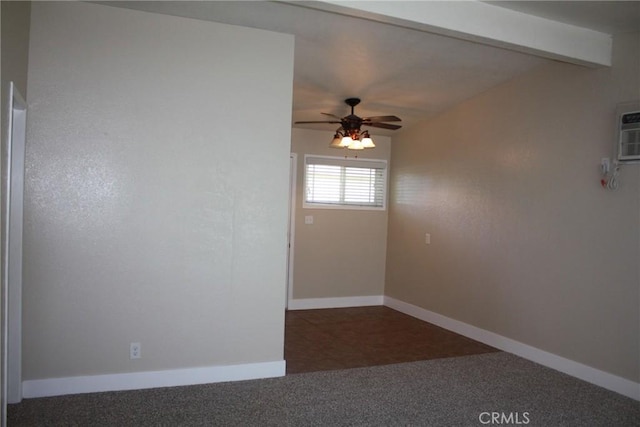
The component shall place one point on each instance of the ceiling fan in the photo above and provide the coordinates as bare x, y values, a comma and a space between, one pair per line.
349, 134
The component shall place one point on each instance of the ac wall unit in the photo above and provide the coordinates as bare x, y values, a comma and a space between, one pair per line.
628, 125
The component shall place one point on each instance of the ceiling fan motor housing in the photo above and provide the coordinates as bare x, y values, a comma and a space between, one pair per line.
351, 123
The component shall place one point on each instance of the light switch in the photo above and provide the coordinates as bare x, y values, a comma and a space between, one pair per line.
427, 238
308, 219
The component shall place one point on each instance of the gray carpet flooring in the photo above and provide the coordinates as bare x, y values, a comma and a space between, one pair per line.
460, 391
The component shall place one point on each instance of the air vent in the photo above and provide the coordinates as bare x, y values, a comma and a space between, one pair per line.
629, 136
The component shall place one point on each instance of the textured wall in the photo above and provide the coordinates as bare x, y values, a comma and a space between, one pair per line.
154, 212
15, 43
524, 241
343, 253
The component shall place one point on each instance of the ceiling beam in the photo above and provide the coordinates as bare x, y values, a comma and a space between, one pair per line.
484, 23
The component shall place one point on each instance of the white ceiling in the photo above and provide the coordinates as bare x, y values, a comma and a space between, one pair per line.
394, 70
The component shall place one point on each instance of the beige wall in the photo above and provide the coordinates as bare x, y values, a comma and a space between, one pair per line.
15, 43
154, 212
15, 56
343, 253
524, 241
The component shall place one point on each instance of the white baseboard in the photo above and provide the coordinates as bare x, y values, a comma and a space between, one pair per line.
594, 376
314, 303
151, 379
213, 374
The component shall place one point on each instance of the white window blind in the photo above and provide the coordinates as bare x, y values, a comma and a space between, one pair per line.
340, 182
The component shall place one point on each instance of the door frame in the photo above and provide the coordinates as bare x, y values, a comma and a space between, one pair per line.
12, 248
293, 178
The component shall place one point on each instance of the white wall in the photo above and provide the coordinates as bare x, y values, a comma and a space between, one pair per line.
524, 241
156, 192
342, 254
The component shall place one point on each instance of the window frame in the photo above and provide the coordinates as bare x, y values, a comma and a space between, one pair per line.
353, 163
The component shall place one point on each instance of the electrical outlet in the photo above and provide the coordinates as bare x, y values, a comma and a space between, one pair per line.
135, 350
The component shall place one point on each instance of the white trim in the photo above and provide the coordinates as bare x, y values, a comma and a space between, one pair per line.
12, 260
306, 205
152, 379
293, 188
594, 376
357, 162
341, 302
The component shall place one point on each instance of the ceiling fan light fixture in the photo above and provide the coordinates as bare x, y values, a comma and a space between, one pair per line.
356, 145
349, 135
346, 142
337, 141
367, 142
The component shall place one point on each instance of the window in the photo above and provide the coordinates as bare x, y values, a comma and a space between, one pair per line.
336, 182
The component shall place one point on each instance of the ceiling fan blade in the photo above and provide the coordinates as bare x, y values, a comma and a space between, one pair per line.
305, 122
382, 125
382, 119
332, 115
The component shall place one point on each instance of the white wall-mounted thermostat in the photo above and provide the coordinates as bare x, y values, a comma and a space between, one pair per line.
628, 149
